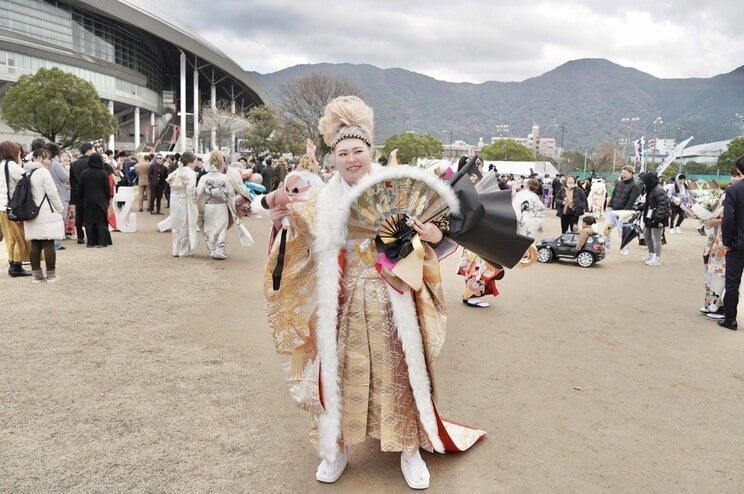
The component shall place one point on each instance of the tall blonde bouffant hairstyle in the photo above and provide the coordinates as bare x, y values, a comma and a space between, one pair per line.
344, 117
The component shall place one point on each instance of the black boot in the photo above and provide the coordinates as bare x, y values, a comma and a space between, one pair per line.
16, 270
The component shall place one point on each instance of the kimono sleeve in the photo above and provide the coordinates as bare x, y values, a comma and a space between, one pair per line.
290, 309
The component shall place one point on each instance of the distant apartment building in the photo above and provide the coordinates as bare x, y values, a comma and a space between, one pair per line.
540, 146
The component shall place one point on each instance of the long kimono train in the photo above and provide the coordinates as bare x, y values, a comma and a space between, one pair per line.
184, 213
338, 324
219, 198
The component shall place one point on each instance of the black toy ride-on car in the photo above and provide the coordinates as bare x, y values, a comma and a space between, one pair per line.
564, 247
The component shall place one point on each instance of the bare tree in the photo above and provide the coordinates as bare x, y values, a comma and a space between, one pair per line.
302, 101
223, 122
604, 156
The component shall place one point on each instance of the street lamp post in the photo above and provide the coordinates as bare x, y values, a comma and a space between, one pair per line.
628, 121
449, 151
562, 126
657, 123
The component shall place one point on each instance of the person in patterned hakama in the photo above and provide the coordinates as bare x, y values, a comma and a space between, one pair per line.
358, 345
218, 196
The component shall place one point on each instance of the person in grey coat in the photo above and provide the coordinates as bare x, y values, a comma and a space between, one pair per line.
61, 177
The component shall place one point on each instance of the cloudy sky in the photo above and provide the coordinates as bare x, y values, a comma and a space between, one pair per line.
471, 40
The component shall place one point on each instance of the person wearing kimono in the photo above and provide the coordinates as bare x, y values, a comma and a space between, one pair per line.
529, 209
480, 279
346, 328
597, 197
184, 212
218, 197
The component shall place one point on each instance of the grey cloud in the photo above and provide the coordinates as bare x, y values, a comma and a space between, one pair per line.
468, 40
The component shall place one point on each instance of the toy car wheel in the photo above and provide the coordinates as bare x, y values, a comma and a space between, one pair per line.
544, 254
585, 259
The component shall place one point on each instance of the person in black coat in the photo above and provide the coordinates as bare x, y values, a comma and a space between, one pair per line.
655, 217
95, 193
267, 173
732, 237
571, 204
76, 171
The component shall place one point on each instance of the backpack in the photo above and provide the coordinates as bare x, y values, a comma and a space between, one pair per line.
21, 206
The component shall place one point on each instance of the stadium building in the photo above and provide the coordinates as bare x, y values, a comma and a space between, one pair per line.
160, 81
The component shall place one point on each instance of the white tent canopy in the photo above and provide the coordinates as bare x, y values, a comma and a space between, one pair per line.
524, 168
515, 168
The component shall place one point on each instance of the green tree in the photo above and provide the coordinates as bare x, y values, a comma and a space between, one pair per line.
263, 127
695, 168
573, 161
269, 134
411, 146
727, 159
506, 150
59, 106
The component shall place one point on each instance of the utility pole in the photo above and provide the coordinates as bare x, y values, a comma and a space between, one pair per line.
449, 151
657, 123
628, 121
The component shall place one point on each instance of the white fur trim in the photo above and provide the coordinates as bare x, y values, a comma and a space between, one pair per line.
333, 213
409, 333
326, 248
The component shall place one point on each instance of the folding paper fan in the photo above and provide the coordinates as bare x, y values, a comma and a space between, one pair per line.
387, 207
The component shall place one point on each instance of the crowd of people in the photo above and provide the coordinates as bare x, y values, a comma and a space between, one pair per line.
345, 324
81, 206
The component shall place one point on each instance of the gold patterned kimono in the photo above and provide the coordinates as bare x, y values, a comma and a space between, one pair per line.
357, 344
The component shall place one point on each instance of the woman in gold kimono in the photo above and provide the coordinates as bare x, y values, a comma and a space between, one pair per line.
357, 343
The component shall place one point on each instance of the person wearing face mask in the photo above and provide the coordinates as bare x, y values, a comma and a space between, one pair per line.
358, 351
624, 195
655, 216
571, 204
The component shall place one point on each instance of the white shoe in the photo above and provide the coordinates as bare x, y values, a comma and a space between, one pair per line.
330, 472
625, 251
646, 258
654, 261
414, 471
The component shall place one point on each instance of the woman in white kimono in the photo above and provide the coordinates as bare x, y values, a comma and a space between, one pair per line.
219, 200
530, 209
597, 197
184, 213
357, 342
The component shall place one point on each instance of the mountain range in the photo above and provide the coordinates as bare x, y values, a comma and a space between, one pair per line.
585, 100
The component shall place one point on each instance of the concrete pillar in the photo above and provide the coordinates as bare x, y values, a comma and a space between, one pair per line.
111, 142
152, 127
136, 128
213, 104
232, 135
196, 108
182, 97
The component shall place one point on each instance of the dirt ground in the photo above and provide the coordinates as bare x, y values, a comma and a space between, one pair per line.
146, 373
